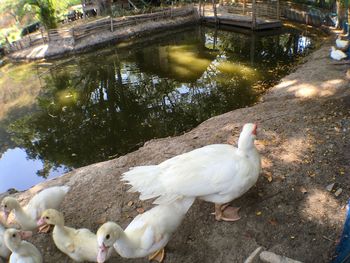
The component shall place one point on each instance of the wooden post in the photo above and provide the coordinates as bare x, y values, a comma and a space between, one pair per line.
199, 8
72, 32
112, 29
30, 40
253, 14
215, 11
278, 10
42, 35
244, 7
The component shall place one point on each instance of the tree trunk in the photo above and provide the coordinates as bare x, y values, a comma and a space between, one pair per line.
103, 7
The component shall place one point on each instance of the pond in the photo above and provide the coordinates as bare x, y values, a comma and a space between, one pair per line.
59, 115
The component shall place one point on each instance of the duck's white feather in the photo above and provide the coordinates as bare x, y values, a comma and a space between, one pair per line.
148, 232
28, 253
217, 173
48, 198
4, 251
22, 251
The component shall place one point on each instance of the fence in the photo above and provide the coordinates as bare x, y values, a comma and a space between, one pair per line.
258, 9
106, 24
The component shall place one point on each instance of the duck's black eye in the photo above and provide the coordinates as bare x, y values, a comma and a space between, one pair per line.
46, 217
5, 206
108, 236
13, 235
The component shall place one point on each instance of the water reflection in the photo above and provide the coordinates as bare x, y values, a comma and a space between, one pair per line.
99, 106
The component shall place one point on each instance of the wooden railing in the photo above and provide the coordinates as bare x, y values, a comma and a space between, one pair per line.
77, 33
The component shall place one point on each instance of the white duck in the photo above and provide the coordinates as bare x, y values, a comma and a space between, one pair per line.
147, 234
217, 173
49, 198
337, 54
78, 244
4, 251
22, 251
342, 44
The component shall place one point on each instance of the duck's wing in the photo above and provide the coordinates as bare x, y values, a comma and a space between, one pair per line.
204, 171
48, 198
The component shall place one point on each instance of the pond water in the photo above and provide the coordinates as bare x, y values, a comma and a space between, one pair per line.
64, 114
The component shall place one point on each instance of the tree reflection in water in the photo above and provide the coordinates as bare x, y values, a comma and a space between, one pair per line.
98, 106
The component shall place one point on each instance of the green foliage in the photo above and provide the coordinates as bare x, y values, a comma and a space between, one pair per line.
45, 11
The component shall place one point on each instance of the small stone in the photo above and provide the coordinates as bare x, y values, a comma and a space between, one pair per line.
130, 203
269, 257
254, 257
330, 187
140, 210
338, 192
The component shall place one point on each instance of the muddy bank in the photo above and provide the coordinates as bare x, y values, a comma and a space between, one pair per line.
304, 127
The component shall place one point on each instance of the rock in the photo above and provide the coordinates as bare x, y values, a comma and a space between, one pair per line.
338, 192
330, 187
254, 257
270, 257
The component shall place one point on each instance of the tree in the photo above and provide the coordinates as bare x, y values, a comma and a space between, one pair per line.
13, 8
45, 11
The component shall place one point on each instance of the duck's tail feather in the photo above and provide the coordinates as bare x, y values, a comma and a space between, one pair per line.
144, 179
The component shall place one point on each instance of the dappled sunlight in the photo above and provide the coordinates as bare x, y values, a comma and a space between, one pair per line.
231, 68
320, 206
310, 90
185, 61
67, 96
19, 87
39, 51
289, 155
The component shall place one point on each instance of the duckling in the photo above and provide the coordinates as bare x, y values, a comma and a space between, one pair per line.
27, 216
78, 244
146, 235
22, 251
4, 251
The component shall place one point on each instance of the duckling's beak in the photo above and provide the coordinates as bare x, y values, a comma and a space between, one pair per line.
25, 234
41, 222
5, 214
102, 253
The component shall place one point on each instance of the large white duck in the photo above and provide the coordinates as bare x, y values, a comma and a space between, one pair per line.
27, 216
342, 44
147, 234
337, 54
22, 251
217, 173
78, 244
4, 251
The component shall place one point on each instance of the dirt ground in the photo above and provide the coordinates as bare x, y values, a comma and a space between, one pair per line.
303, 138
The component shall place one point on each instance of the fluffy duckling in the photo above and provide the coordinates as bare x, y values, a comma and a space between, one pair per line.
147, 234
337, 54
4, 251
27, 216
22, 251
78, 244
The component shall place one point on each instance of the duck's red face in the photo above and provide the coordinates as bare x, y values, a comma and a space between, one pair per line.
254, 132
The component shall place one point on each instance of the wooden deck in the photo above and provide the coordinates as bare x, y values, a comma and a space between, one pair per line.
236, 20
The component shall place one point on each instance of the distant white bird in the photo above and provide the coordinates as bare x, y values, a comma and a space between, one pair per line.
22, 251
27, 216
217, 173
342, 44
337, 54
